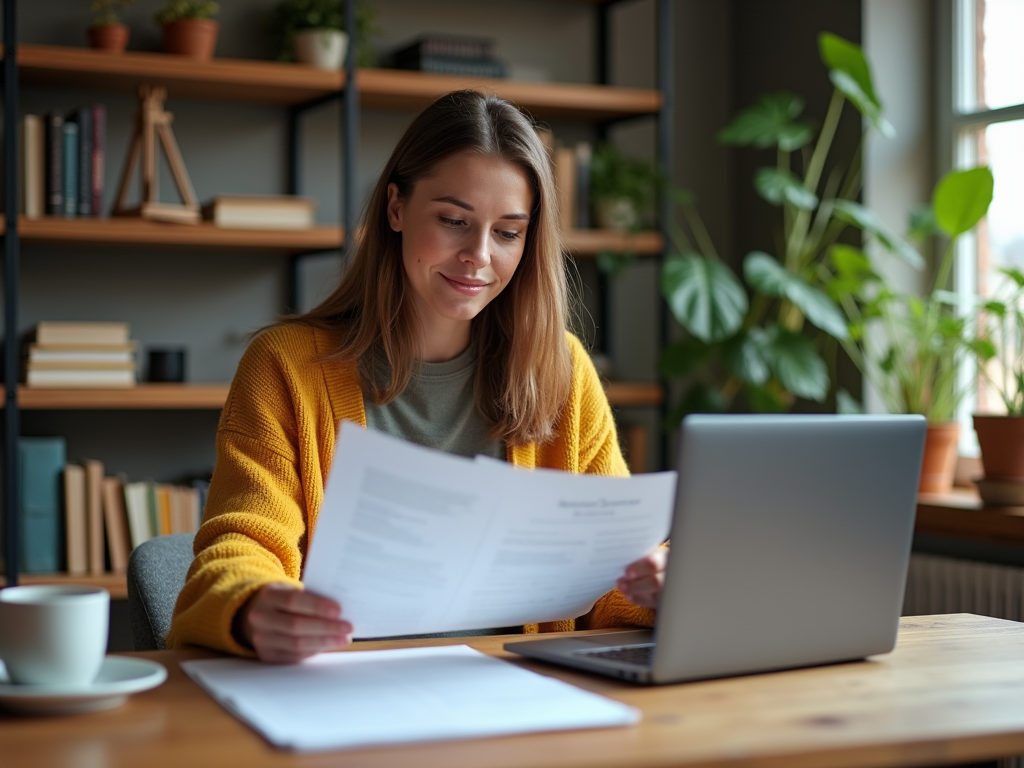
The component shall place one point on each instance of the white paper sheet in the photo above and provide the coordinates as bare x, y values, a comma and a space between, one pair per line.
371, 698
414, 541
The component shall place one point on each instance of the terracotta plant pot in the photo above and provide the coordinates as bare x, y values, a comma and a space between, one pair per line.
1001, 439
110, 38
939, 462
195, 38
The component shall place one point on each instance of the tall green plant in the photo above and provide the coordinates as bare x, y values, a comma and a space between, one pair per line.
1002, 319
912, 347
760, 339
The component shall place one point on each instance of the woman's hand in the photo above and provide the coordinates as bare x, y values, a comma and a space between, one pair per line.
641, 583
284, 624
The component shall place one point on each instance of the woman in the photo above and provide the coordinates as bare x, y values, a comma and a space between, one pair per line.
449, 330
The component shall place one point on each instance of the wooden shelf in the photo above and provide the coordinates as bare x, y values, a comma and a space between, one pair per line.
132, 231
115, 583
144, 396
236, 80
589, 242
627, 393
407, 90
269, 82
963, 515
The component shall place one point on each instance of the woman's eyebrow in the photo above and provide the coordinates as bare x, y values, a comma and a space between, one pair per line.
463, 204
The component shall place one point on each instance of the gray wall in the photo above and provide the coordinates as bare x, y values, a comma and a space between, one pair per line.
726, 53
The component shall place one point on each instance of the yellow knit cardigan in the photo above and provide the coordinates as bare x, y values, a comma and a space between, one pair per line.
275, 445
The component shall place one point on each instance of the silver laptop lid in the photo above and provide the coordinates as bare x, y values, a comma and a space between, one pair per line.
790, 542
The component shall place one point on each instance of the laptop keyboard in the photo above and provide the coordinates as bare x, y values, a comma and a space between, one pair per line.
641, 655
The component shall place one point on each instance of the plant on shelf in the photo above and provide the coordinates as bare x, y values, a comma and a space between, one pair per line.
1001, 435
189, 28
760, 339
313, 32
107, 33
623, 189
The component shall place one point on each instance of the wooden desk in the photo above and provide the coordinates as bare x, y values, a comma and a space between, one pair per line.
952, 692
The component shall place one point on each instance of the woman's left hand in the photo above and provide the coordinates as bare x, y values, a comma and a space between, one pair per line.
641, 583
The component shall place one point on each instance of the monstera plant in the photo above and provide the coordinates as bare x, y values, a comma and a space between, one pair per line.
762, 338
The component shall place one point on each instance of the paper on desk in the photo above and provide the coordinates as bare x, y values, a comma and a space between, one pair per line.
370, 698
412, 541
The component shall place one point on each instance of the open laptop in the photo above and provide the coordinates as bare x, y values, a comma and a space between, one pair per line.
790, 543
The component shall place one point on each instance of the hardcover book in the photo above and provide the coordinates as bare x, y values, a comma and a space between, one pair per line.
75, 526
41, 465
99, 153
261, 212
54, 164
115, 517
59, 333
33, 166
70, 166
82, 117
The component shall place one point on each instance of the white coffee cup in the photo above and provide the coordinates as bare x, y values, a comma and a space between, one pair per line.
53, 635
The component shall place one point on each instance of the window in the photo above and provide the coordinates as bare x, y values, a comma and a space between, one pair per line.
987, 122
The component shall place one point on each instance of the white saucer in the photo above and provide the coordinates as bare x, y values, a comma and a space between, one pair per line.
118, 677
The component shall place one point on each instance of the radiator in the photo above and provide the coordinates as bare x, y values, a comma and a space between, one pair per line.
937, 584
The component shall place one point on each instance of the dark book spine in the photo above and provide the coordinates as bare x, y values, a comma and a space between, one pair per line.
83, 117
98, 165
70, 164
41, 467
54, 164
452, 65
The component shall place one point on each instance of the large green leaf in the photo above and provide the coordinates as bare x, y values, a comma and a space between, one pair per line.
797, 364
865, 218
704, 296
777, 187
766, 275
769, 122
961, 199
850, 73
744, 356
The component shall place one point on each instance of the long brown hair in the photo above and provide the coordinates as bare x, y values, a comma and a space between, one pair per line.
524, 368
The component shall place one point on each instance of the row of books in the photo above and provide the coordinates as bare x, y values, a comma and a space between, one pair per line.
63, 163
448, 55
61, 355
77, 519
572, 180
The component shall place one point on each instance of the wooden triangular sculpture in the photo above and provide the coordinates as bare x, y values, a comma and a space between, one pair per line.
153, 120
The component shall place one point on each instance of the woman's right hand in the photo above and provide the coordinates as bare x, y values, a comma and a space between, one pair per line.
284, 624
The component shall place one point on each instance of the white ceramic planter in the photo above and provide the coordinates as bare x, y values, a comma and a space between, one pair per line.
321, 48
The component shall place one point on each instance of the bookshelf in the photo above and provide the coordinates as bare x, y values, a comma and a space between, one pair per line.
294, 88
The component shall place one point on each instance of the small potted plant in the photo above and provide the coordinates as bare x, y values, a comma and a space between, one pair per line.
189, 28
1001, 436
107, 33
313, 32
623, 190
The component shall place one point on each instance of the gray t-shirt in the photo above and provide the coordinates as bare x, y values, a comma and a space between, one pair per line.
437, 410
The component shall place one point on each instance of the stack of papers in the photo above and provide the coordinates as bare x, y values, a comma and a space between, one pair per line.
415, 541
373, 698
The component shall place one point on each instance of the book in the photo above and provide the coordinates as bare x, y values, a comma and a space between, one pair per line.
162, 493
115, 518
94, 515
260, 212
40, 467
59, 333
82, 117
75, 527
114, 353
81, 365
33, 166
99, 154
450, 65
54, 125
565, 182
454, 46
136, 500
69, 163
79, 379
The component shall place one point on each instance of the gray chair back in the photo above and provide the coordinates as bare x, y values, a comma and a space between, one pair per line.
156, 574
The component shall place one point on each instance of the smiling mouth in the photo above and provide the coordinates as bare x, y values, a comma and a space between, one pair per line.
466, 285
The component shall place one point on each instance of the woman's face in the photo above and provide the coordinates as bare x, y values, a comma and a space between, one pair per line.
463, 232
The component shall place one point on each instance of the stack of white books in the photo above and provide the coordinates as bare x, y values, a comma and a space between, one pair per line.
73, 355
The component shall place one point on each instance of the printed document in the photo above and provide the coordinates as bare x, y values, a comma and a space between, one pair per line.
370, 698
415, 541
